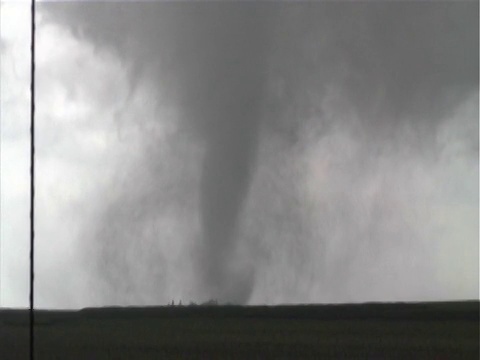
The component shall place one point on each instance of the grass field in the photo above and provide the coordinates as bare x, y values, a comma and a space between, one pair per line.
367, 331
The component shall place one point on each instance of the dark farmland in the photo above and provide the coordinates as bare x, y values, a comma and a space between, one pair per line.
448, 330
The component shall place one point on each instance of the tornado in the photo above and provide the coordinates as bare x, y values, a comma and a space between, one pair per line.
221, 96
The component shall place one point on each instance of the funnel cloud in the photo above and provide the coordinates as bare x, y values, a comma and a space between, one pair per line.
222, 98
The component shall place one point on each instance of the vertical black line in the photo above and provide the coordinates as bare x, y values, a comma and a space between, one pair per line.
32, 175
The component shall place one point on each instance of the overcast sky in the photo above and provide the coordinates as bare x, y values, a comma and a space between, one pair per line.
250, 152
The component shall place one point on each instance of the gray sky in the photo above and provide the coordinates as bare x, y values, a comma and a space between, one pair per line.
254, 153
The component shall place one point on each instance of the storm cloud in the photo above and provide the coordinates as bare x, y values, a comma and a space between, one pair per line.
312, 152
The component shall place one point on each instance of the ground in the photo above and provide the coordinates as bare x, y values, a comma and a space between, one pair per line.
373, 331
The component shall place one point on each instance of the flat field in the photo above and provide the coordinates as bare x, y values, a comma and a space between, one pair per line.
368, 331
